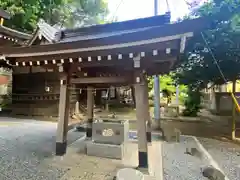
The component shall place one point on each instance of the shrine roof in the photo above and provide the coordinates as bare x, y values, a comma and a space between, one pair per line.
115, 28
156, 43
120, 39
13, 35
54, 34
4, 14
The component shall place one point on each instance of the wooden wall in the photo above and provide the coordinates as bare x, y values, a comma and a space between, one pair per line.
37, 94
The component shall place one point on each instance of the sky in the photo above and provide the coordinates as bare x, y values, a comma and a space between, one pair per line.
133, 9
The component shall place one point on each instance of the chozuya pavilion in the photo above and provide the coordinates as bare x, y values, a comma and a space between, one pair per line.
120, 53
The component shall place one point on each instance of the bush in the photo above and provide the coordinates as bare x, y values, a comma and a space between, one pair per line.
192, 103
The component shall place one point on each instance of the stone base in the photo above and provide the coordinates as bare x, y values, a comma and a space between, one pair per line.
61, 148
142, 159
105, 150
89, 132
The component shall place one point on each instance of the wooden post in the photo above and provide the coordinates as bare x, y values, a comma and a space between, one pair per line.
98, 97
147, 114
76, 111
233, 111
107, 100
141, 114
1, 21
62, 127
90, 104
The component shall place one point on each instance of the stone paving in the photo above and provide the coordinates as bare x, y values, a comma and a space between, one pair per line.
226, 154
27, 150
25, 146
180, 166
82, 167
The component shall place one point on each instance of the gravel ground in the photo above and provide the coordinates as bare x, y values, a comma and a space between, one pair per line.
26, 146
180, 166
226, 154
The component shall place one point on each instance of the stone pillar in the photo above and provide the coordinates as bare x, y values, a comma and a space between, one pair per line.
141, 113
62, 127
90, 105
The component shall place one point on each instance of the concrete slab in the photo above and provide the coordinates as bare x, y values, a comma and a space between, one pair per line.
86, 167
27, 151
105, 150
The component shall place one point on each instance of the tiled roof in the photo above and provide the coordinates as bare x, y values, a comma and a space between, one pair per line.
112, 29
54, 35
4, 14
14, 34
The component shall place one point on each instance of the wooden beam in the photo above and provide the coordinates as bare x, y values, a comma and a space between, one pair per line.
124, 51
101, 80
128, 42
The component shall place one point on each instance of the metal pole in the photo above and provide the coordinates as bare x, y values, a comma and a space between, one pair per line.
155, 7
156, 81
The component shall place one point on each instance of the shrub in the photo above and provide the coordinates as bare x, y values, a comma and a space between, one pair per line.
192, 103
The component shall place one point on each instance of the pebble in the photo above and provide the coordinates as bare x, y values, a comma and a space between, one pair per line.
225, 154
25, 149
180, 166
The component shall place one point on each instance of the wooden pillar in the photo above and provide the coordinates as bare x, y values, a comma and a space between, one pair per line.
98, 97
90, 105
107, 100
147, 118
233, 111
142, 114
62, 127
1, 21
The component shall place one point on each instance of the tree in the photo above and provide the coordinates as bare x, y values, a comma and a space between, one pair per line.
215, 48
87, 12
68, 13
167, 86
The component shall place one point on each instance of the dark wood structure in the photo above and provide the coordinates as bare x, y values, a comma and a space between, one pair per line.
120, 53
3, 15
8, 38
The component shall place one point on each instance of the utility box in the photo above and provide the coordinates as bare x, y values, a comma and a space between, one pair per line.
109, 131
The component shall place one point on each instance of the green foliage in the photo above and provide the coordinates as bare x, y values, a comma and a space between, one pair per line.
167, 86
197, 67
87, 12
69, 13
192, 103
